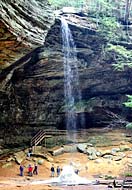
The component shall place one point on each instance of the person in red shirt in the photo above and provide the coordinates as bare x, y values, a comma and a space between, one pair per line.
30, 170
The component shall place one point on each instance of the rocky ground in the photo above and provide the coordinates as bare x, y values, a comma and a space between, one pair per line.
108, 158
103, 167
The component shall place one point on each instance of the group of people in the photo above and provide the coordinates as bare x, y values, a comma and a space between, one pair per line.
34, 170
58, 170
31, 170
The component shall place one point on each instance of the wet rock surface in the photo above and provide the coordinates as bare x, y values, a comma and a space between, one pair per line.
32, 89
23, 26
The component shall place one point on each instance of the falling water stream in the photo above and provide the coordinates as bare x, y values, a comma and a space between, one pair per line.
72, 90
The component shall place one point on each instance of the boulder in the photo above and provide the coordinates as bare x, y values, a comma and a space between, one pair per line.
107, 152
129, 156
40, 161
119, 157
92, 156
91, 151
124, 148
82, 147
98, 161
58, 151
20, 156
108, 156
114, 150
7, 165
70, 148
10, 159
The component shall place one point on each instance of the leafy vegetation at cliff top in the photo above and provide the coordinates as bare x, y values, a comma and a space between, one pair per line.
109, 28
99, 7
121, 56
64, 3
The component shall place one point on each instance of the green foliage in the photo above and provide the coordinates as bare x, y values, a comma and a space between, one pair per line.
56, 141
118, 9
79, 106
128, 174
50, 142
65, 3
108, 28
129, 101
108, 177
121, 56
129, 105
2, 66
100, 7
129, 126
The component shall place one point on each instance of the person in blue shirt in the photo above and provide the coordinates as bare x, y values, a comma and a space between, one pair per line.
21, 168
58, 171
52, 171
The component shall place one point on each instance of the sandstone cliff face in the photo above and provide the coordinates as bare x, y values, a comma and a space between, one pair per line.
33, 87
23, 26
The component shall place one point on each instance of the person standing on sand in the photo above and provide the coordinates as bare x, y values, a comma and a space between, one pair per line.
52, 170
30, 151
76, 171
21, 168
35, 171
58, 171
30, 170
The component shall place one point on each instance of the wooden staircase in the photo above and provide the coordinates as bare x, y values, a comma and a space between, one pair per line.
37, 138
45, 134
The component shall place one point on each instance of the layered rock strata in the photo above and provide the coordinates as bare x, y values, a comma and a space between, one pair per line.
23, 26
32, 92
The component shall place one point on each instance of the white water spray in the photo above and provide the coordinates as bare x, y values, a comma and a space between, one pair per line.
72, 90
67, 177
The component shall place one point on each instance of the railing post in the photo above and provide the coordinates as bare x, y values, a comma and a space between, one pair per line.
34, 146
45, 142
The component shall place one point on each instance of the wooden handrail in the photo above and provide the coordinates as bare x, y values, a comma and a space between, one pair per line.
37, 138
39, 132
42, 134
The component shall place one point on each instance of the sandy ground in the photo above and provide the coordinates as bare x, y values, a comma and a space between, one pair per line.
10, 179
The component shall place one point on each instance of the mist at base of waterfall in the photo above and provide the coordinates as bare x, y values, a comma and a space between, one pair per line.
67, 177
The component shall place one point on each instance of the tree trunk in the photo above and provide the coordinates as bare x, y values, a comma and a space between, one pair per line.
127, 11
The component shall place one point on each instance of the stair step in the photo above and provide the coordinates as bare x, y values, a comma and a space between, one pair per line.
44, 134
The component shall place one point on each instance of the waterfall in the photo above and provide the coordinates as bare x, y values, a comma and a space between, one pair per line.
72, 90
